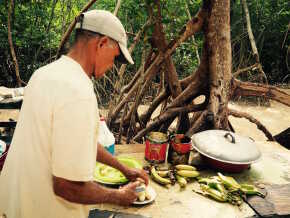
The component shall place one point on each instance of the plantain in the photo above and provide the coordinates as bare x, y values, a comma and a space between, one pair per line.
163, 173
184, 167
181, 181
158, 178
161, 168
187, 173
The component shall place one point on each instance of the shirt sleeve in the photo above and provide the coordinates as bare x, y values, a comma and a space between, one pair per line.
74, 140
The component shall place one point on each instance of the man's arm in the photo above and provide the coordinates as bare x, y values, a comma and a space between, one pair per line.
106, 157
93, 193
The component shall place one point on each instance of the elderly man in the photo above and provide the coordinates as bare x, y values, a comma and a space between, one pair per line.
49, 168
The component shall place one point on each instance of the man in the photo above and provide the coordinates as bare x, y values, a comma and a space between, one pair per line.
49, 169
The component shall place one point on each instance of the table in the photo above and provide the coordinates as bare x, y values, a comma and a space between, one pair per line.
273, 167
8, 104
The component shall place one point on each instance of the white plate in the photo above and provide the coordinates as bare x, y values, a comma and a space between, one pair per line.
153, 195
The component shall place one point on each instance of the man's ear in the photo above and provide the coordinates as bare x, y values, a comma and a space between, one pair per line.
103, 41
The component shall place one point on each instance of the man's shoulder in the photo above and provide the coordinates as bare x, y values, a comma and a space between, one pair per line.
58, 67
64, 71
64, 77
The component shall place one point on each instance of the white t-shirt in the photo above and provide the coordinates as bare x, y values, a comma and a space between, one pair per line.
55, 135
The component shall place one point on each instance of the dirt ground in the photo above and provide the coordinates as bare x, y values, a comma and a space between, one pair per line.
276, 118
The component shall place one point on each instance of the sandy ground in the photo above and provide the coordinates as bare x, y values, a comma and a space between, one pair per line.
276, 118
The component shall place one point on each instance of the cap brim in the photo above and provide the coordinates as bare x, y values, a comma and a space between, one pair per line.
125, 56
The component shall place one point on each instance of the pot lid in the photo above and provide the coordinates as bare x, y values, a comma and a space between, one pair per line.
226, 146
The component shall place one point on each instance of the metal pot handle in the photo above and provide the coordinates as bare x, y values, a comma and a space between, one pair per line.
229, 134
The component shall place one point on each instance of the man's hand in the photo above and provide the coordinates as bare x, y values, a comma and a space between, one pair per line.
133, 174
128, 194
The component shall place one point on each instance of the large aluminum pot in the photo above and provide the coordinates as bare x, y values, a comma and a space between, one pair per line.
226, 151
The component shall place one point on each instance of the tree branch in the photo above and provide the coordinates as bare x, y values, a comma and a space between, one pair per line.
197, 124
144, 118
194, 84
252, 41
142, 87
246, 69
117, 7
71, 27
19, 81
260, 90
121, 124
133, 45
193, 39
171, 74
169, 114
192, 27
253, 120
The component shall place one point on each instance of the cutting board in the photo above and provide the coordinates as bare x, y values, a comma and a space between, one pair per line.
96, 213
275, 204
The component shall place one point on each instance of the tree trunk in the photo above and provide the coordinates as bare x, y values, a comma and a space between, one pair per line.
193, 39
171, 74
253, 43
218, 41
19, 81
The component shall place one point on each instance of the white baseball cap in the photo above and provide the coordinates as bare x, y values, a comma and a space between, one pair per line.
107, 24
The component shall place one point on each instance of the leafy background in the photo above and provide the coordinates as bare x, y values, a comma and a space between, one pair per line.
38, 25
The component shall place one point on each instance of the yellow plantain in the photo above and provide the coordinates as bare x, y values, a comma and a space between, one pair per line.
181, 181
158, 178
188, 173
184, 167
163, 173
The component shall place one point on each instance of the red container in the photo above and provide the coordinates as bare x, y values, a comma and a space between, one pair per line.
181, 143
155, 147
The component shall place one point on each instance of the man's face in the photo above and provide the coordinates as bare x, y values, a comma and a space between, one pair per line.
107, 51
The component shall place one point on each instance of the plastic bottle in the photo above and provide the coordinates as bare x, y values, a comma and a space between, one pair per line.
105, 137
2, 147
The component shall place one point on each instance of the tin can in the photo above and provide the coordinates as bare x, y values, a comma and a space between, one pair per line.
181, 143
179, 149
156, 144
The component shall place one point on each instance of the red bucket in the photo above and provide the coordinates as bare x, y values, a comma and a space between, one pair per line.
155, 147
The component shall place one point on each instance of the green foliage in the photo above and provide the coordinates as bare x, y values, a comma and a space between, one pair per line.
38, 25
269, 21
